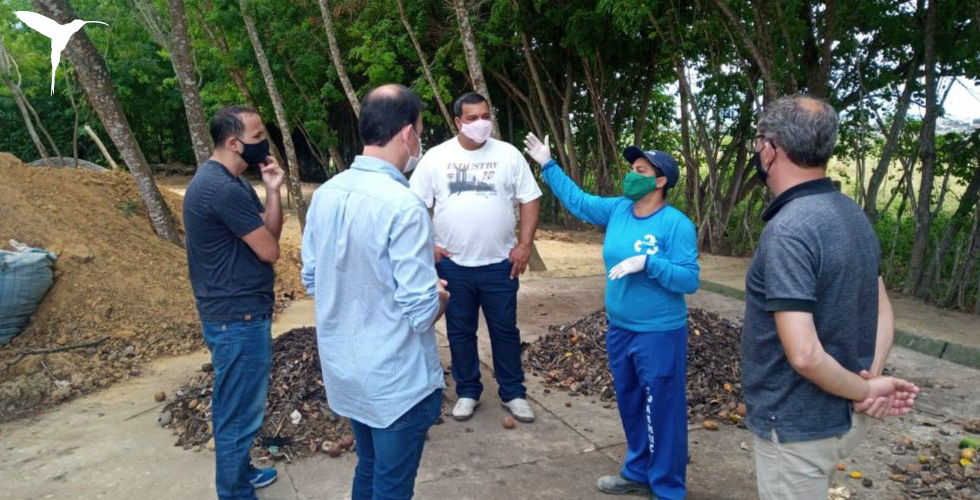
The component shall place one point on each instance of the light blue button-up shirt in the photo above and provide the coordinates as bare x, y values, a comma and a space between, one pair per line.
368, 262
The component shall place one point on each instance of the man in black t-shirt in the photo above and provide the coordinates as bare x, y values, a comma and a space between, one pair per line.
232, 243
818, 324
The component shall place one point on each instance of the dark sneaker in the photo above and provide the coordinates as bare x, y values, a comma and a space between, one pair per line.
619, 485
260, 478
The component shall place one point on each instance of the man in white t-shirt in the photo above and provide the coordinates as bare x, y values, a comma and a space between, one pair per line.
472, 183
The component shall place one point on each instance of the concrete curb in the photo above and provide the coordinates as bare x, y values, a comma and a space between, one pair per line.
941, 349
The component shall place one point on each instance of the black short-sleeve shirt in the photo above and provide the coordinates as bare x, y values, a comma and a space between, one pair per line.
818, 253
228, 278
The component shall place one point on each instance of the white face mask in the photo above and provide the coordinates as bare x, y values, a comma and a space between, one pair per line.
478, 131
413, 161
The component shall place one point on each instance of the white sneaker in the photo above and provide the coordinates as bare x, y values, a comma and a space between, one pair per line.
464, 409
521, 411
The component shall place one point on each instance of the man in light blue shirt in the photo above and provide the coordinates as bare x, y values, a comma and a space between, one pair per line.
368, 262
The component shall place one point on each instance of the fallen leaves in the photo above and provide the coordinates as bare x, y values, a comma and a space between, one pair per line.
938, 474
298, 421
572, 357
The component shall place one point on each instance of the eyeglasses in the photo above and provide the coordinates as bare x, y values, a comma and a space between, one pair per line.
750, 145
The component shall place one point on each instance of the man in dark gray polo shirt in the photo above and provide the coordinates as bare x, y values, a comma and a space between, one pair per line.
232, 243
818, 324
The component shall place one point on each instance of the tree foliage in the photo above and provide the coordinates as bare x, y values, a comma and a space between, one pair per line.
687, 77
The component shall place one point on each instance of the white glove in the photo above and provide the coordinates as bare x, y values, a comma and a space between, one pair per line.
628, 266
541, 153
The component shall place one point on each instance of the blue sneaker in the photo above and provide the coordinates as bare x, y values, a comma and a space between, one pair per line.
260, 478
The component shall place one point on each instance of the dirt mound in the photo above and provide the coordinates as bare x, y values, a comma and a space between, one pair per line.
116, 284
572, 357
296, 388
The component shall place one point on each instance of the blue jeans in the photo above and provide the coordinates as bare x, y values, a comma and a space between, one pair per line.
649, 372
241, 352
489, 288
388, 459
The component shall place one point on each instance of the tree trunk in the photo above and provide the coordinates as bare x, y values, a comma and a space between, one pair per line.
790, 85
31, 119
958, 294
98, 142
296, 188
183, 62
176, 42
891, 142
425, 68
74, 130
218, 39
959, 219
39, 124
338, 61
559, 142
927, 151
338, 160
15, 91
528, 111
692, 177
607, 139
473, 58
566, 122
640, 122
821, 85
895, 234
757, 57
94, 77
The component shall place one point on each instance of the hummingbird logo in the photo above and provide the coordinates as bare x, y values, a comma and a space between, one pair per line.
58, 33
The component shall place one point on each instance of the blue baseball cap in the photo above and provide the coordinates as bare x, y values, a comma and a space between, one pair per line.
666, 163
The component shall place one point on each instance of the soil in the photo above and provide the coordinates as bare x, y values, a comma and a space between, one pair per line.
115, 282
569, 253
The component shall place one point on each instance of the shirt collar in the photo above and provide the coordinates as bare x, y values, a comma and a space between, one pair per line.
373, 164
818, 186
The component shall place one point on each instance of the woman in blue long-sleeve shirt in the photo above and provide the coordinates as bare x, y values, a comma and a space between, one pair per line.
651, 257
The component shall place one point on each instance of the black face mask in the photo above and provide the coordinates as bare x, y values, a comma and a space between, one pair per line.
760, 173
756, 163
256, 153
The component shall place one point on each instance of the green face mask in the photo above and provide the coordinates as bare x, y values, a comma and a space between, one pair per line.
636, 186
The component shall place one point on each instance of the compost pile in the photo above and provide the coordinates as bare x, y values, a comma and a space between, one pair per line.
298, 421
572, 358
938, 472
121, 295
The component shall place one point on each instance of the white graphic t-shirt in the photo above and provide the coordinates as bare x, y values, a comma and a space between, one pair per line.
474, 194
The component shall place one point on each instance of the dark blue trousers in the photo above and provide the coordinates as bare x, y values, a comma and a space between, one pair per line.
649, 374
241, 352
388, 459
489, 288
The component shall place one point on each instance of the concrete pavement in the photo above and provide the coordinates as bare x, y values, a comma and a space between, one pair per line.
108, 445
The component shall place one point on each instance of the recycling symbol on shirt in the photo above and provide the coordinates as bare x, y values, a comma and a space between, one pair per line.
650, 242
